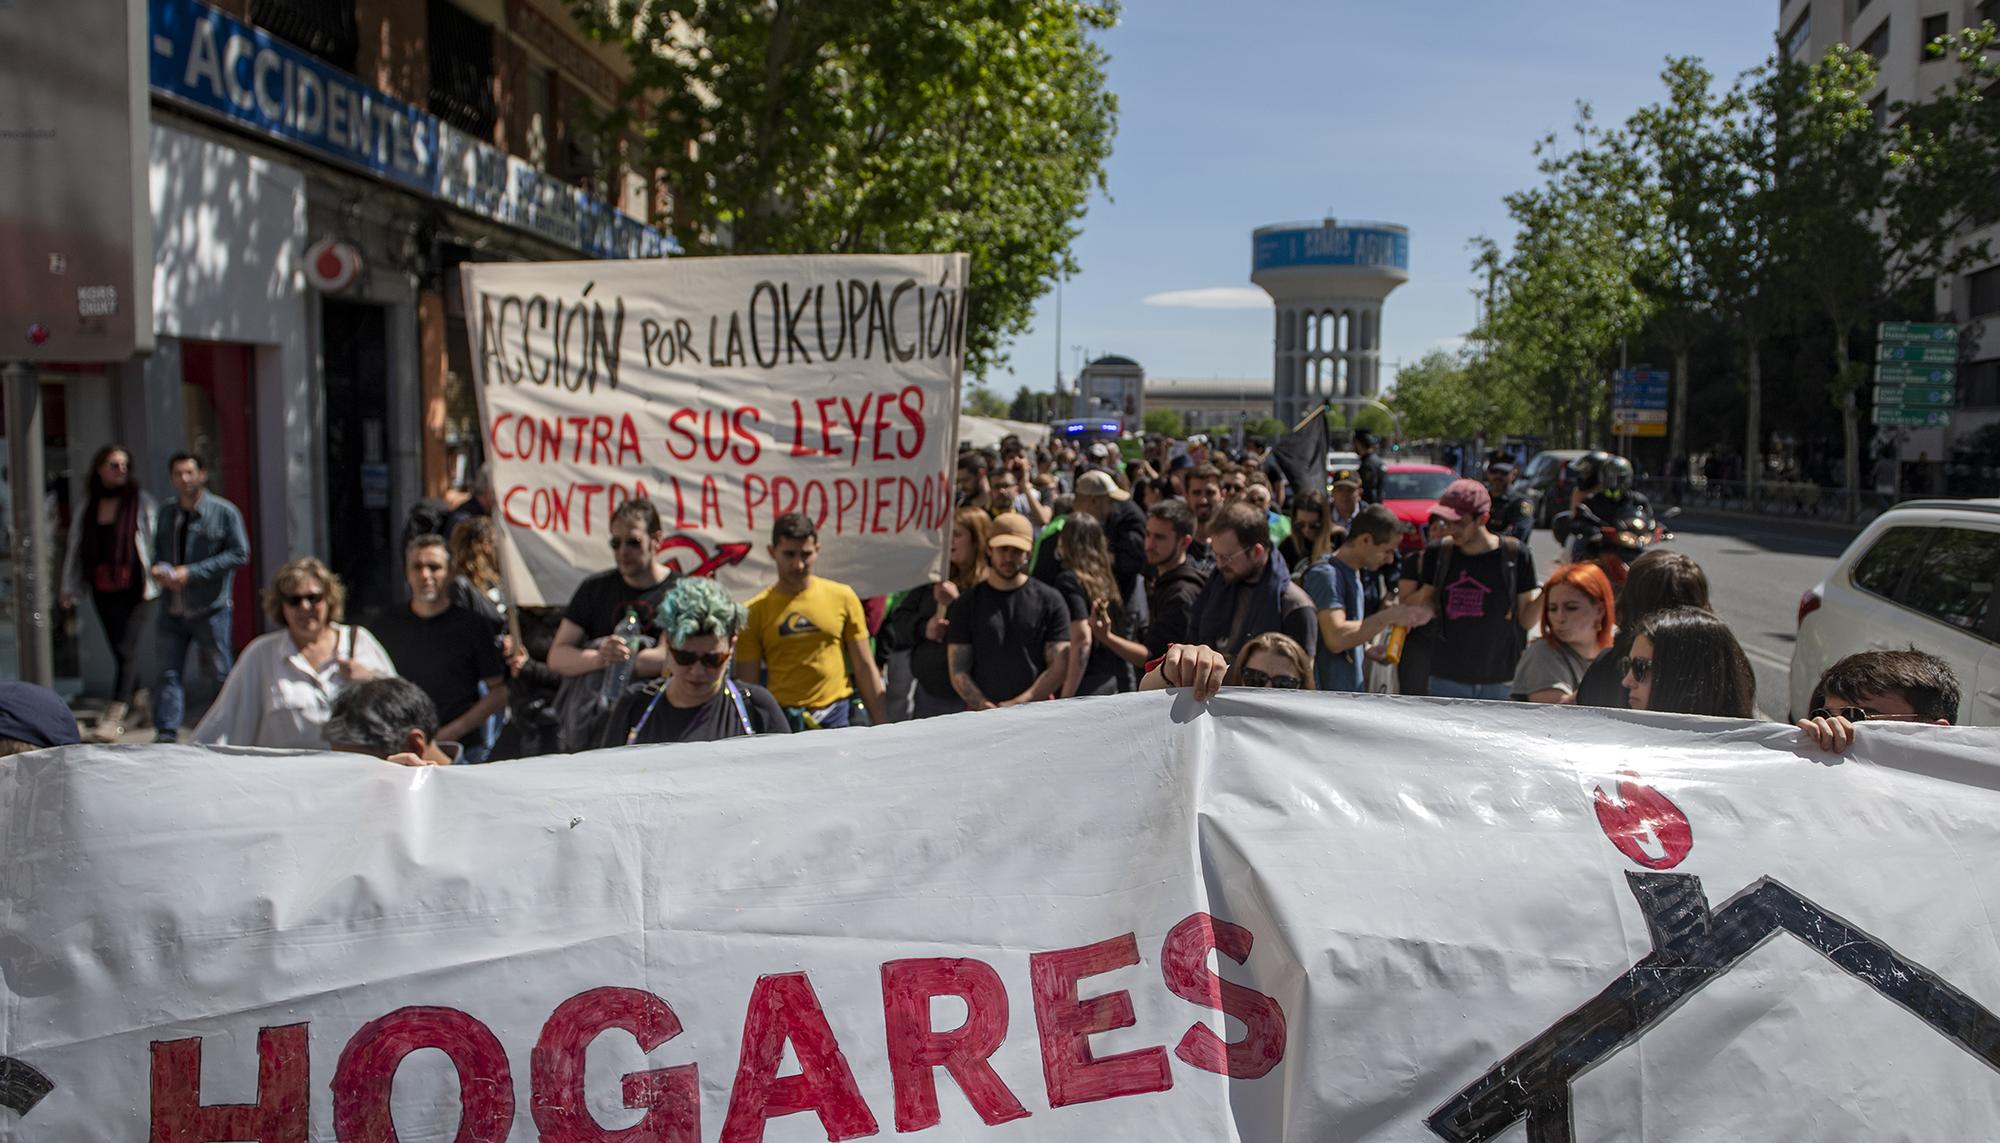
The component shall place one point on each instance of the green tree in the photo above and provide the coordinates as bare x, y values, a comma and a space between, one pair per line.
1166, 422
1441, 397
853, 126
1270, 428
981, 401
1670, 171
1871, 217
1029, 405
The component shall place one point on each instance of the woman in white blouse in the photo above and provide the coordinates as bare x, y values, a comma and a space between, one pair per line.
283, 685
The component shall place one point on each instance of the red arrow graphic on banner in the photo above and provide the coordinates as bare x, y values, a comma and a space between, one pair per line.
724, 556
1644, 824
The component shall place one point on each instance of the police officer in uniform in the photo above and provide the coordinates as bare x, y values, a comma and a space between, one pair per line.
1513, 512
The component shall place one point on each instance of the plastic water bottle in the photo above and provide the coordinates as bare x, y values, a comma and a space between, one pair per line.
618, 674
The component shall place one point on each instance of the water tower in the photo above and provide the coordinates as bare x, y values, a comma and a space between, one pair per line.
1328, 280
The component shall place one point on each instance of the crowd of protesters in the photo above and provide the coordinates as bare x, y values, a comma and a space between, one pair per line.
1073, 572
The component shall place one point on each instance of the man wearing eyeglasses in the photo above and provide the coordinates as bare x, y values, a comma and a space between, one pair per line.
1251, 591
1880, 686
585, 643
446, 650
809, 634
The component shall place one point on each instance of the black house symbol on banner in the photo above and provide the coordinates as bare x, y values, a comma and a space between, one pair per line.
1692, 946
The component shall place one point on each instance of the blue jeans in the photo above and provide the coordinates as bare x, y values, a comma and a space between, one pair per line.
209, 633
1447, 688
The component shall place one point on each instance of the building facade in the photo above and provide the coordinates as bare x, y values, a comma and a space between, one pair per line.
1897, 33
1328, 281
319, 169
1211, 402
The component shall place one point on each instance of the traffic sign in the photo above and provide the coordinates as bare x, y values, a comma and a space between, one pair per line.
1640, 416
1639, 428
1901, 373
1893, 415
1934, 333
1915, 396
1926, 354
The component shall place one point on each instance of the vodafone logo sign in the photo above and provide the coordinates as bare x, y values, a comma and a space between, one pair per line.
332, 265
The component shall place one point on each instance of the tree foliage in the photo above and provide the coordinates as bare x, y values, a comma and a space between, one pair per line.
1443, 397
1794, 203
852, 126
1166, 422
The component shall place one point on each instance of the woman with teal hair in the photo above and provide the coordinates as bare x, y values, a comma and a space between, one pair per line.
697, 701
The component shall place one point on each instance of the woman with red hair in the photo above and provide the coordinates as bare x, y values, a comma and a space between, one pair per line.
1577, 626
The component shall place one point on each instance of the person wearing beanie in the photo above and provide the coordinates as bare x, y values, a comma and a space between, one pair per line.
33, 718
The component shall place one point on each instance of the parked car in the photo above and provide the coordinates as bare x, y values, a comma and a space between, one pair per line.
1921, 575
1546, 478
1411, 491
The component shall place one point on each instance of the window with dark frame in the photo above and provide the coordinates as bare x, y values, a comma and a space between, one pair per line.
1935, 27
325, 28
1796, 39
1984, 290
461, 58
1979, 384
1877, 43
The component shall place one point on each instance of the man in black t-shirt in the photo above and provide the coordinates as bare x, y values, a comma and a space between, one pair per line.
1485, 593
1009, 635
447, 651
585, 643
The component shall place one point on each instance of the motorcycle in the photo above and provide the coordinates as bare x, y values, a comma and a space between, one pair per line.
1613, 544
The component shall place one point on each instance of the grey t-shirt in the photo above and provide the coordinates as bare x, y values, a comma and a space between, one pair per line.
1547, 665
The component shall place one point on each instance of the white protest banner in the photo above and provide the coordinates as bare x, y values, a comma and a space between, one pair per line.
729, 391
1280, 917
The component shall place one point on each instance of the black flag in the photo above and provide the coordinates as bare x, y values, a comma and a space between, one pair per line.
1301, 453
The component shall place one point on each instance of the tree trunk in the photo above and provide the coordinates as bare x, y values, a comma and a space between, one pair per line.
1753, 425
1850, 424
1677, 423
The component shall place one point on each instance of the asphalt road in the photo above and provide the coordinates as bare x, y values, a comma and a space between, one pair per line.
1757, 569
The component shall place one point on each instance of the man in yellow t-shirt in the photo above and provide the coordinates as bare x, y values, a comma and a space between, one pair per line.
806, 633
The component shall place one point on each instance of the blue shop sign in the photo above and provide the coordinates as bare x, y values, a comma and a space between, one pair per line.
206, 59
1332, 246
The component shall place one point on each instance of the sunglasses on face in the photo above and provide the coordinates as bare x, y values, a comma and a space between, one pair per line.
631, 542
1860, 714
1638, 668
1252, 677
713, 660
312, 599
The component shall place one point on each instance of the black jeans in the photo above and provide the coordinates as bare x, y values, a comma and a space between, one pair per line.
124, 615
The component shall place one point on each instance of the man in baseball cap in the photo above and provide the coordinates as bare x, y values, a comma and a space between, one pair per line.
1097, 493
33, 718
1009, 635
1485, 593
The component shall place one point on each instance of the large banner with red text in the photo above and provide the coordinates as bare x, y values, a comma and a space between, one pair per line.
1278, 916
729, 391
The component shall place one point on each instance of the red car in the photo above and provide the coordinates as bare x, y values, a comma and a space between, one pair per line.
1411, 491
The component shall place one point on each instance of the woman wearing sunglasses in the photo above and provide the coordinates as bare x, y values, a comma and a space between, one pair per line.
281, 690
1271, 661
698, 701
1685, 661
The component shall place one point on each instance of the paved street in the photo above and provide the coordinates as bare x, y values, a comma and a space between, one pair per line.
1756, 571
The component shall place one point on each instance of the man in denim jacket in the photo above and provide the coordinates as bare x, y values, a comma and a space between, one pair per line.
198, 545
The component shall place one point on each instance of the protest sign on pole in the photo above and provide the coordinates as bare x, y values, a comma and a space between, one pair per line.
1277, 917
729, 391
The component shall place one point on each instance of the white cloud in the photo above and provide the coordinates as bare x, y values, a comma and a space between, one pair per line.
1212, 298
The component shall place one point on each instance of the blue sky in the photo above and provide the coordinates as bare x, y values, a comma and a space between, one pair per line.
1423, 112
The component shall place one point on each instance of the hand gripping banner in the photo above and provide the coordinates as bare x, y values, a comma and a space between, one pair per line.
729, 391
1276, 917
